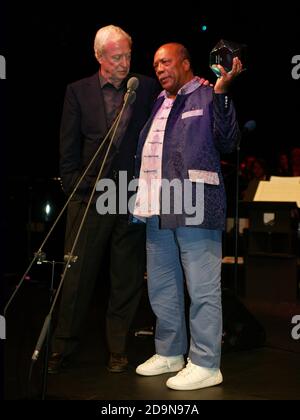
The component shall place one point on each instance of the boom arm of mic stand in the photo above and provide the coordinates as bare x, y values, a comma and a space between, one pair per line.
49, 316
114, 126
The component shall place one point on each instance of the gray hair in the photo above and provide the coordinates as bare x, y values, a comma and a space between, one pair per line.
109, 33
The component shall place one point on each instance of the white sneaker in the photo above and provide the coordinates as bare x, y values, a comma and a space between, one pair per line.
157, 365
194, 377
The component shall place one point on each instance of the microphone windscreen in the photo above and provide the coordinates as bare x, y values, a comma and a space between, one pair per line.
133, 83
250, 125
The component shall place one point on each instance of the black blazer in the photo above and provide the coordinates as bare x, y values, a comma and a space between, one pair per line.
84, 126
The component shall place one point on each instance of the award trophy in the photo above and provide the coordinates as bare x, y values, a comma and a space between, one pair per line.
223, 54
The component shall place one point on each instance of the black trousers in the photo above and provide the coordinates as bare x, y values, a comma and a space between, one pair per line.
126, 244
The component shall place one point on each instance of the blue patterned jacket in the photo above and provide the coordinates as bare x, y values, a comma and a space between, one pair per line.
200, 126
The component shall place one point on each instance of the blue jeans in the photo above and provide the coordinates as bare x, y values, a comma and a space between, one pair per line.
193, 254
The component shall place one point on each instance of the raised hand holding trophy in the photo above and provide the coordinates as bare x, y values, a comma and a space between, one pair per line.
223, 54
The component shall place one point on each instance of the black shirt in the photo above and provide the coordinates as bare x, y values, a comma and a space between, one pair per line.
113, 98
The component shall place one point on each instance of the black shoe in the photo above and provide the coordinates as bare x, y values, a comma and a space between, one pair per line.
56, 362
117, 363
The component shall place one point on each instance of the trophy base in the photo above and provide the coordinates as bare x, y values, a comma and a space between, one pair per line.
216, 70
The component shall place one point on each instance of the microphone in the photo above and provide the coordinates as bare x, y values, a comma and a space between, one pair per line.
249, 126
132, 85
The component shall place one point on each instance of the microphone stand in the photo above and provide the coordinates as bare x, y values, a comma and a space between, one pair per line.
236, 217
40, 254
248, 127
129, 98
47, 345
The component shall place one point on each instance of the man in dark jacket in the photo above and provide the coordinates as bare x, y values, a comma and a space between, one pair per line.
189, 127
90, 108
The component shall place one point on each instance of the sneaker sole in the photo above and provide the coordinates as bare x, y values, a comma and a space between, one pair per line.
175, 368
203, 384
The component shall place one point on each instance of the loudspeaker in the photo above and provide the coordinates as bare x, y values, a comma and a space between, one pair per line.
241, 330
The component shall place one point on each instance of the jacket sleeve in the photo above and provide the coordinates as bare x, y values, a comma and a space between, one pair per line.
70, 141
225, 126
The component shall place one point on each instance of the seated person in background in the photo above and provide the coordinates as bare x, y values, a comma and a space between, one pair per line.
283, 165
260, 173
245, 173
246, 167
295, 161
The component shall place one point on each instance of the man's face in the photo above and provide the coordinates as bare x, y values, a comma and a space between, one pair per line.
170, 68
115, 61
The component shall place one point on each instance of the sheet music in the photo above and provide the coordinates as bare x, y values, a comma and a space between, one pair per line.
285, 179
278, 191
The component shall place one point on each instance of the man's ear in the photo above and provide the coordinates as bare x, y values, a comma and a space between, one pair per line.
98, 57
186, 64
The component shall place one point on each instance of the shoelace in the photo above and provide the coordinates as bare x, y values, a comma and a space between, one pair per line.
153, 359
187, 370
156, 357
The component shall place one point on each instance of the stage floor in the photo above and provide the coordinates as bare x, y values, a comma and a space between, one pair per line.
271, 372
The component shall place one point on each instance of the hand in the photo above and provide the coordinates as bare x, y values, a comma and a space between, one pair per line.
223, 82
203, 81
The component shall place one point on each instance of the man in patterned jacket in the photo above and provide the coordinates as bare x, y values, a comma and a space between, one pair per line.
189, 127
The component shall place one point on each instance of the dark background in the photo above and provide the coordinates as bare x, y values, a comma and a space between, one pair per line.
51, 45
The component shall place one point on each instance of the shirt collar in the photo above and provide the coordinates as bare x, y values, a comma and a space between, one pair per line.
189, 87
104, 82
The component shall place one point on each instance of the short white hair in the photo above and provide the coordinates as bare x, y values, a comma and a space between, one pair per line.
109, 33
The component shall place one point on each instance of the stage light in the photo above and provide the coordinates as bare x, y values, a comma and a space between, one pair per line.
47, 210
